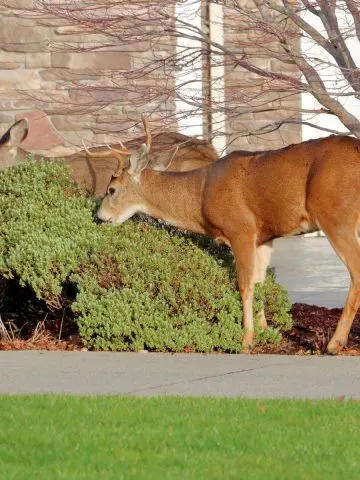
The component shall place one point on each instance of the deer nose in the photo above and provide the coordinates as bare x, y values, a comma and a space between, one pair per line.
103, 218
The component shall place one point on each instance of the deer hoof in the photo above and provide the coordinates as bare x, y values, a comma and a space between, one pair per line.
262, 320
248, 342
263, 325
335, 346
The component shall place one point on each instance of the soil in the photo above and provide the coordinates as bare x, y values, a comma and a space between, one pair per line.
30, 325
312, 329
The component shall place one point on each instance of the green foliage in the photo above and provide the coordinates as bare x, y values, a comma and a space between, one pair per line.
46, 227
138, 286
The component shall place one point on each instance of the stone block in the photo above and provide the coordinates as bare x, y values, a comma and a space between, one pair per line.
20, 79
103, 97
22, 4
108, 138
71, 29
9, 65
63, 74
115, 127
26, 47
92, 60
18, 58
15, 30
100, 82
38, 60
75, 139
113, 109
73, 122
7, 118
15, 104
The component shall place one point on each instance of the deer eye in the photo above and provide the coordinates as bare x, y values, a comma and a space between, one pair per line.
111, 190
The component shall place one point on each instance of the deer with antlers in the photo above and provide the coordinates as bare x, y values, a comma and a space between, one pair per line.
184, 152
246, 202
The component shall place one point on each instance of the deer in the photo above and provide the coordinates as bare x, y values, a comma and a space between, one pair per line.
91, 169
247, 201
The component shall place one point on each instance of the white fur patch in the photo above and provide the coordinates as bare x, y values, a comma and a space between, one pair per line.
303, 227
123, 216
135, 177
175, 223
222, 240
13, 151
128, 213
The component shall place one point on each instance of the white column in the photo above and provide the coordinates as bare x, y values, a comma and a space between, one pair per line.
217, 75
189, 80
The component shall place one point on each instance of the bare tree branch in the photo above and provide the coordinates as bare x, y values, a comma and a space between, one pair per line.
354, 9
262, 42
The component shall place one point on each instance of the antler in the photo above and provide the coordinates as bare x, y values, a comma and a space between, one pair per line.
124, 152
112, 152
145, 122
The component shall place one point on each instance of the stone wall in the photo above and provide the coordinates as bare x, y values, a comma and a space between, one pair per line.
246, 89
69, 95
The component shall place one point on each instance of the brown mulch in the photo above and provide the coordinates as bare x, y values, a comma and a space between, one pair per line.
45, 343
45, 330
312, 329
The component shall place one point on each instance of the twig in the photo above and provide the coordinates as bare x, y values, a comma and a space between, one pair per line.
36, 335
3, 331
61, 325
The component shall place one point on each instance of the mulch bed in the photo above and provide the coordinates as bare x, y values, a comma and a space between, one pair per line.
45, 330
312, 329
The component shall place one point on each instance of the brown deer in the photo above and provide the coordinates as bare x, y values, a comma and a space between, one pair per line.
247, 202
184, 152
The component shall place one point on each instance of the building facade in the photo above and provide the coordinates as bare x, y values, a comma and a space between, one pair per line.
66, 81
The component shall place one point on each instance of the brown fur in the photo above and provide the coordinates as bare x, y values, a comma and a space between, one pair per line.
248, 200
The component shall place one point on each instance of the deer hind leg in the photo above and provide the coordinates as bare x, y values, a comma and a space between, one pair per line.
263, 257
347, 247
244, 250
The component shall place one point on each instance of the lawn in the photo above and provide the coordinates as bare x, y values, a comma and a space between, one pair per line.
66, 437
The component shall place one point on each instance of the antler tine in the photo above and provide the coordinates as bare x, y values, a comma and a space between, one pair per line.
145, 122
121, 144
124, 151
112, 152
95, 154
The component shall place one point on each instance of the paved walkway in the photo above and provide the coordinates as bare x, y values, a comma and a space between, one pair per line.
149, 374
311, 271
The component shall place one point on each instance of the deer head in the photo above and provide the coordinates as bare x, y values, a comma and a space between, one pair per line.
124, 195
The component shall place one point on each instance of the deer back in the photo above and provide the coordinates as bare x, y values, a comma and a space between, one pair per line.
170, 150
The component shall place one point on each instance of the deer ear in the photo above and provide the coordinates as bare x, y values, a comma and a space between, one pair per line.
138, 160
16, 134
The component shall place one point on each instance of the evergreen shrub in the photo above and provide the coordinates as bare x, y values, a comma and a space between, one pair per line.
137, 286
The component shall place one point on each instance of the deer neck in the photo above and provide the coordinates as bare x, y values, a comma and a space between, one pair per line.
175, 198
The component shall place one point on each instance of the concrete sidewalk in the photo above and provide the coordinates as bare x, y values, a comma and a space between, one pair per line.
149, 374
310, 271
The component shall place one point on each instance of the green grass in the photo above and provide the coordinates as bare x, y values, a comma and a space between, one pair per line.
54, 437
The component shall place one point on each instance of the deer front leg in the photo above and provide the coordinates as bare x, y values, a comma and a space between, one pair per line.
245, 256
339, 340
263, 257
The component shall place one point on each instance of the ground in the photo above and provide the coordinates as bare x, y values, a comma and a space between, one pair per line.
312, 329
43, 329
